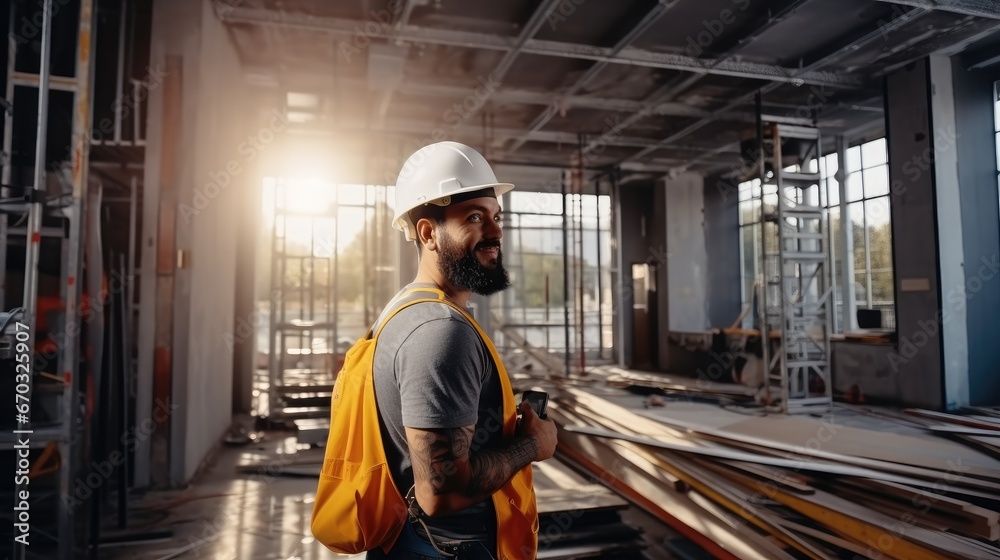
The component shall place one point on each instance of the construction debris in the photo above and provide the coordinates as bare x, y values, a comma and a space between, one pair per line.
747, 491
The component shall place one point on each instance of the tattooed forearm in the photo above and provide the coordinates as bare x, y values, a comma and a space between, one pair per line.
491, 469
435, 453
450, 477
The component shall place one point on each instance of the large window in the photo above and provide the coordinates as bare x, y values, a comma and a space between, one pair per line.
868, 214
870, 235
535, 303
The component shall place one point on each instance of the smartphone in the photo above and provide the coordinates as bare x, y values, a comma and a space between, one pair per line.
537, 400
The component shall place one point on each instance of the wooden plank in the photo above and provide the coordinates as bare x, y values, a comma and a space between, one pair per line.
956, 480
718, 537
589, 497
712, 486
933, 510
721, 453
887, 535
802, 434
785, 478
952, 419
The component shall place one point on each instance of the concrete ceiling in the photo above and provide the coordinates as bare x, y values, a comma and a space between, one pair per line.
657, 86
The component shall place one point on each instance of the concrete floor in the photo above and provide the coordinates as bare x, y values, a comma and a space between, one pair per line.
228, 515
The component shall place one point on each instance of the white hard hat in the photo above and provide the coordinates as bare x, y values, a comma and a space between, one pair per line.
436, 173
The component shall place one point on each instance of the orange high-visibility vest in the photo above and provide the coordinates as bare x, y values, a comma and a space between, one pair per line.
358, 506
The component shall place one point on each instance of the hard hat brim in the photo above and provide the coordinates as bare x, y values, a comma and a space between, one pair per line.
402, 222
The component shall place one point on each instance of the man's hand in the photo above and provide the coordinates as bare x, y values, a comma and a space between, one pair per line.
543, 432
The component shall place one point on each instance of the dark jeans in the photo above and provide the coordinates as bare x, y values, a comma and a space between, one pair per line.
411, 546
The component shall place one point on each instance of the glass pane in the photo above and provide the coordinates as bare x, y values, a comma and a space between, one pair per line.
997, 139
882, 289
861, 289
744, 190
856, 211
873, 153
535, 202
855, 191
877, 211
749, 212
832, 192
831, 164
536, 220
836, 252
854, 159
747, 264
879, 233
351, 194
996, 106
811, 166
876, 181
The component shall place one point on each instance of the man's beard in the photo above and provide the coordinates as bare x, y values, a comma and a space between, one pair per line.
462, 268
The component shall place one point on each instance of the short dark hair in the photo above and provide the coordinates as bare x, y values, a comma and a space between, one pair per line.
431, 212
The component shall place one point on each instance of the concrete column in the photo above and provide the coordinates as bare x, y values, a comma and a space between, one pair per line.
942, 238
686, 257
722, 242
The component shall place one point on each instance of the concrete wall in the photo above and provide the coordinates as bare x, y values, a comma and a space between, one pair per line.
212, 177
976, 151
687, 255
946, 233
722, 247
914, 234
868, 367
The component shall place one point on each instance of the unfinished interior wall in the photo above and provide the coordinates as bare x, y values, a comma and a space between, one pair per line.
187, 306
976, 151
686, 255
722, 248
945, 224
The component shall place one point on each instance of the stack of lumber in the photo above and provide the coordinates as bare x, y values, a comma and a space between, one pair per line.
789, 487
579, 519
618, 377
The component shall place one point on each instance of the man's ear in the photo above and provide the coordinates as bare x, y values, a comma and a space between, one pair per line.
427, 233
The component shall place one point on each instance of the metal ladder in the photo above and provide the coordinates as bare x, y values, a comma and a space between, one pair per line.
67, 434
797, 287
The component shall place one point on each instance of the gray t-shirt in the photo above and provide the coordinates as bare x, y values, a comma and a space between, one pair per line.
433, 371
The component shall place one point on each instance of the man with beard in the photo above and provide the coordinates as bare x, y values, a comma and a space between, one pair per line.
438, 388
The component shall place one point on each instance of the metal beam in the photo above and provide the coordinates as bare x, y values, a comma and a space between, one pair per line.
262, 78
539, 16
483, 41
980, 8
651, 17
833, 56
675, 87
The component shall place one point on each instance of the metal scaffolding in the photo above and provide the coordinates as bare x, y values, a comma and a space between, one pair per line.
66, 434
796, 290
